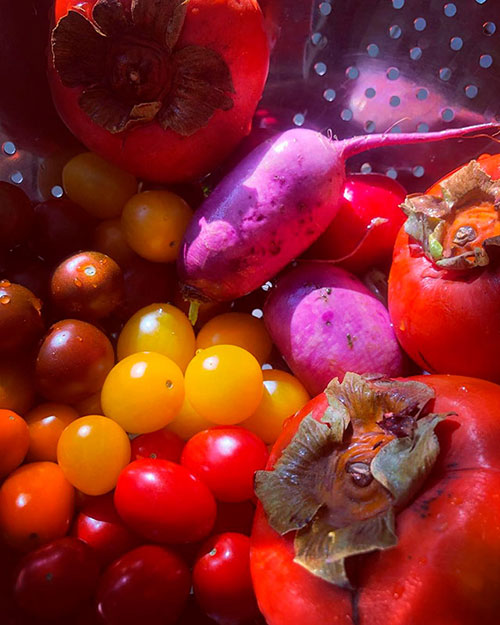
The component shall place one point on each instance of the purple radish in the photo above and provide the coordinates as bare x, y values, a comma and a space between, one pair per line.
271, 207
325, 322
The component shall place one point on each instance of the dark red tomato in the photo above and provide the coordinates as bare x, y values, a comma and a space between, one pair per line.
164, 502
17, 389
147, 585
73, 361
222, 581
56, 579
99, 525
234, 517
61, 228
366, 197
16, 215
21, 322
161, 444
226, 458
87, 285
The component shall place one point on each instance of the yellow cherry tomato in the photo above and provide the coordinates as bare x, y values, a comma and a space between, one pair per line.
99, 187
154, 223
188, 422
46, 423
283, 396
224, 384
91, 452
161, 328
143, 392
237, 328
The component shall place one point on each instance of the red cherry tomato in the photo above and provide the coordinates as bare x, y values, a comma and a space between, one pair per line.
234, 517
57, 578
221, 579
99, 525
164, 502
226, 458
161, 444
147, 585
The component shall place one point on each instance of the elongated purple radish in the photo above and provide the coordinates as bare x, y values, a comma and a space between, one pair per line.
325, 322
272, 206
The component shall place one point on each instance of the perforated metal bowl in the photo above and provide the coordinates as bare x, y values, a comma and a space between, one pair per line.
352, 66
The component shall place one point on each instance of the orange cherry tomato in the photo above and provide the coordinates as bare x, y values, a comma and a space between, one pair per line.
161, 328
36, 505
188, 422
237, 328
91, 452
109, 239
14, 441
154, 223
46, 423
89, 405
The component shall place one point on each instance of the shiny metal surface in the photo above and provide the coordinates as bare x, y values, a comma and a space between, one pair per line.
351, 66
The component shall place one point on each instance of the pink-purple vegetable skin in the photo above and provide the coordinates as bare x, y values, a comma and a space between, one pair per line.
271, 207
325, 322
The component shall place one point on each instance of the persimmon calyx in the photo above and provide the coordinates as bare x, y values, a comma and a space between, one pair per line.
340, 481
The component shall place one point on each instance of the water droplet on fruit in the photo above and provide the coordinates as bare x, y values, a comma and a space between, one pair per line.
77, 282
169, 384
90, 270
464, 389
5, 283
213, 552
5, 299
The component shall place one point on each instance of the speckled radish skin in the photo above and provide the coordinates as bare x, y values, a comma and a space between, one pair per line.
325, 322
271, 207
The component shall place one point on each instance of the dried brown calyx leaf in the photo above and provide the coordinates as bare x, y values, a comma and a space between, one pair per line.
340, 480
132, 70
457, 230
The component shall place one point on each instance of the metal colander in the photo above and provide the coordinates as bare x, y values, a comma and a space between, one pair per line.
349, 66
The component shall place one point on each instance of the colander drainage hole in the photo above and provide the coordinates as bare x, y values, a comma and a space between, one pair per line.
456, 43
299, 119
365, 168
450, 9
9, 148
57, 191
398, 4
423, 127
447, 115
395, 31
486, 60
419, 24
392, 173
416, 53
393, 73
346, 115
471, 91
489, 28
372, 49
329, 95
418, 171
16, 177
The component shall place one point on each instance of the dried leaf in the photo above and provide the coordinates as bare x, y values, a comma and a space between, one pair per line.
145, 112
110, 17
162, 19
468, 182
105, 110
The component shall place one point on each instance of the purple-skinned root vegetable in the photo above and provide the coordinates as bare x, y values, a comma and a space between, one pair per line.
271, 208
325, 322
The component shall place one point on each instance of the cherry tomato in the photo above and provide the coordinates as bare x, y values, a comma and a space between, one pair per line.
224, 384
237, 328
17, 388
221, 579
88, 285
97, 186
154, 223
36, 505
46, 423
91, 452
148, 585
109, 239
14, 441
21, 322
283, 395
56, 579
73, 362
226, 458
161, 444
188, 422
164, 502
16, 215
99, 525
143, 392
89, 405
161, 328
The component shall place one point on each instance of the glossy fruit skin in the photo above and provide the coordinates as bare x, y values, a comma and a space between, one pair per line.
164, 502
56, 579
21, 322
161, 444
233, 29
224, 384
160, 328
16, 215
109, 239
87, 285
428, 577
73, 361
188, 422
36, 505
46, 423
17, 389
237, 328
149, 584
99, 525
365, 197
97, 186
226, 458
92, 451
221, 579
143, 392
446, 321
14, 441
154, 223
